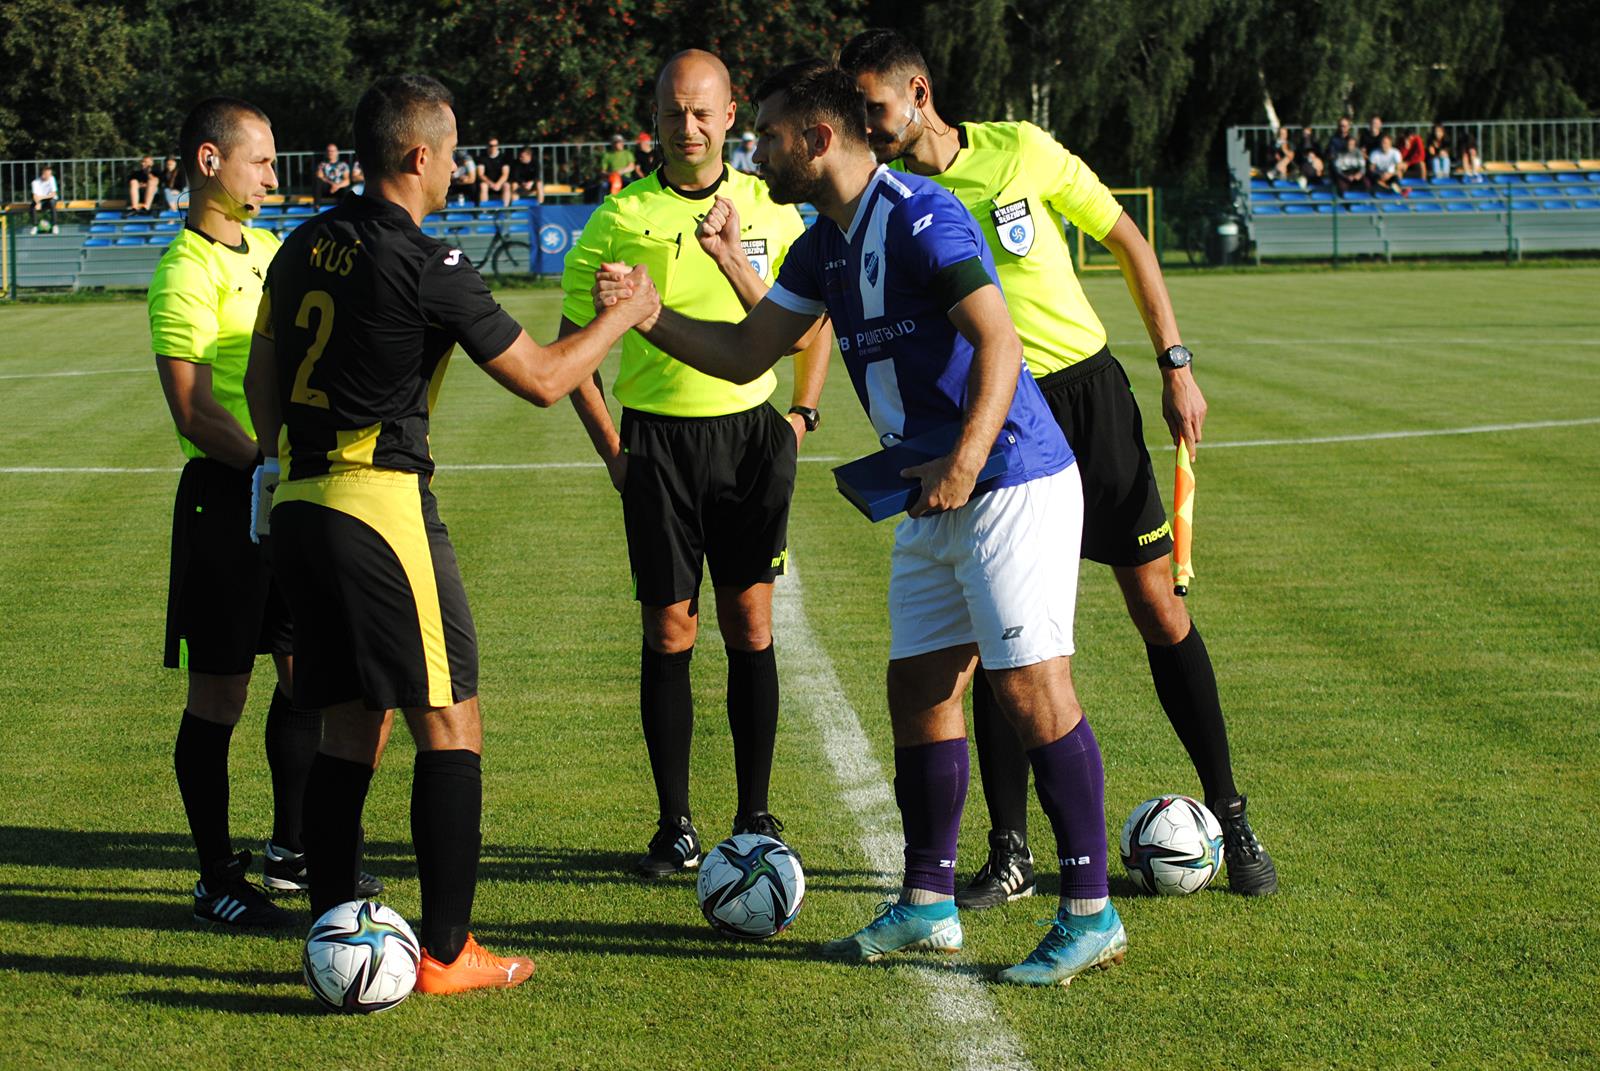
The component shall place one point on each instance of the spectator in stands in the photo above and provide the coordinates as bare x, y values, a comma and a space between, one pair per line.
616, 164
1439, 153
1336, 142
1350, 168
525, 178
1308, 160
173, 183
1413, 156
333, 177
494, 175
1372, 136
1383, 165
358, 178
645, 158
1467, 154
464, 179
143, 182
44, 198
1282, 156
744, 157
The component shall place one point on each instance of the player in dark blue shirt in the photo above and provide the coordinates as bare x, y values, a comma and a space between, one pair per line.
901, 268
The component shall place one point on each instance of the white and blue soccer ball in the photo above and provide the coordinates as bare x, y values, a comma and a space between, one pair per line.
361, 957
1172, 846
751, 886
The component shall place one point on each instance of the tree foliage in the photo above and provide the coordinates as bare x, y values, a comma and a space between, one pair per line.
1140, 89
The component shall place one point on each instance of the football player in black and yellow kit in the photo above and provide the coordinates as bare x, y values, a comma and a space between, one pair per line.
705, 467
222, 608
1019, 182
360, 315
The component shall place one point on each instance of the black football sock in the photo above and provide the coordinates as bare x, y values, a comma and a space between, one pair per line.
1002, 760
200, 759
336, 791
292, 740
1187, 688
446, 806
753, 720
666, 706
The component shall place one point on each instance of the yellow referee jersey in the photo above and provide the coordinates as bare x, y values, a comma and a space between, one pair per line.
1019, 182
653, 224
202, 305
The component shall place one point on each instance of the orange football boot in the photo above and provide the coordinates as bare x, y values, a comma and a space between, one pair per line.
475, 968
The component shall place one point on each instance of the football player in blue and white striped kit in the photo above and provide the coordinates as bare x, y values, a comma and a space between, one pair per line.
902, 270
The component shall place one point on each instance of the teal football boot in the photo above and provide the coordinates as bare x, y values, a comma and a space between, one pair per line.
901, 928
1075, 943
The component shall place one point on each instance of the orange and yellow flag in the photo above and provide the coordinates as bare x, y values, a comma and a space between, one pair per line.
1183, 522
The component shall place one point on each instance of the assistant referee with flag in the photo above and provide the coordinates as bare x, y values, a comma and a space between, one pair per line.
1016, 180
705, 467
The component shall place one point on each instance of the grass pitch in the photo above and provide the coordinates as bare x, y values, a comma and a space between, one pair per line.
1403, 629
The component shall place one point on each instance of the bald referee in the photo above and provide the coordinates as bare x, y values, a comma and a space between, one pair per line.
1016, 180
358, 320
222, 609
705, 467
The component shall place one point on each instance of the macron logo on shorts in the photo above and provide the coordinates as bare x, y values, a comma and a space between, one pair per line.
1012, 633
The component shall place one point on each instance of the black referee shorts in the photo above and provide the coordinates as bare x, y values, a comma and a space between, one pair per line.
370, 575
706, 490
222, 606
1124, 521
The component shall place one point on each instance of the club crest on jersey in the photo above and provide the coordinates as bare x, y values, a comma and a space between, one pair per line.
1014, 225
755, 250
869, 267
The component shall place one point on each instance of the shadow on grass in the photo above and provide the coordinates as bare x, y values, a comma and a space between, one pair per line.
94, 967
122, 913
237, 1003
663, 940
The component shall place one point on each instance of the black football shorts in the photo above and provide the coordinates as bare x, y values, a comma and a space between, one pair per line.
222, 606
1124, 521
706, 490
370, 575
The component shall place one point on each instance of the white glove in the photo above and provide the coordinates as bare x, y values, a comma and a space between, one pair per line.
263, 484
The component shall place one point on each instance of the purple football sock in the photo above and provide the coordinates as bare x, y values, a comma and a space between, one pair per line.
1072, 789
930, 785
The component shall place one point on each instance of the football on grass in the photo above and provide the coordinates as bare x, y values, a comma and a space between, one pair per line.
1172, 846
361, 957
751, 886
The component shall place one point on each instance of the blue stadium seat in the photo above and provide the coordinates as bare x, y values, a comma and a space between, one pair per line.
1263, 198
1259, 184
108, 215
1489, 206
1569, 177
137, 228
1586, 203
97, 242
1523, 205
158, 239
432, 232
1592, 176
483, 228
1427, 206
1320, 195
1361, 210
130, 240
1451, 193
1504, 179
299, 210
1555, 206
1300, 210
1358, 195
1273, 210
1327, 210
524, 202
1458, 206
172, 227
168, 213
102, 228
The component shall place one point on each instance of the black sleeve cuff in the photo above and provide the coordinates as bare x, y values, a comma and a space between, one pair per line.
956, 281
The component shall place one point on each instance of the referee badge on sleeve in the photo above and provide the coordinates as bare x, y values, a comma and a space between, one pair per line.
755, 249
1013, 223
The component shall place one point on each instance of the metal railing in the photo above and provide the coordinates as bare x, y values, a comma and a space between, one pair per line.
1497, 139
106, 178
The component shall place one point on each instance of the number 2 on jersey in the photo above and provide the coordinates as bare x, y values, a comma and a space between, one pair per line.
321, 302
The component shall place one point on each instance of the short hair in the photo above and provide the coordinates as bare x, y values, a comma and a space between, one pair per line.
217, 120
883, 52
817, 91
395, 114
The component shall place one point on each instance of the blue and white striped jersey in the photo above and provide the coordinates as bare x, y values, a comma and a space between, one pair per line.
886, 283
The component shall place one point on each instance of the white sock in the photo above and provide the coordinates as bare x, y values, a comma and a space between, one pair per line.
1085, 907
923, 897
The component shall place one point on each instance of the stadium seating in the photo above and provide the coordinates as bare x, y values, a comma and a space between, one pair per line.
1517, 207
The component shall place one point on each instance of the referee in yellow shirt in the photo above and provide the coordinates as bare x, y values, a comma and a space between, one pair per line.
222, 608
705, 467
1018, 181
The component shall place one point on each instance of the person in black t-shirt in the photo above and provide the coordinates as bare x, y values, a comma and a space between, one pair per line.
494, 175
143, 182
525, 178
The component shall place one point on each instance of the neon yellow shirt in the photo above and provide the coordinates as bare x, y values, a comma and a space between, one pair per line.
1019, 182
202, 304
654, 225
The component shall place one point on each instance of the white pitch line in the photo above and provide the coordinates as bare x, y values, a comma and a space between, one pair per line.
980, 1038
832, 459
94, 372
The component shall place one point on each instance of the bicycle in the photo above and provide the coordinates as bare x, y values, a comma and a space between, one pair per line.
506, 255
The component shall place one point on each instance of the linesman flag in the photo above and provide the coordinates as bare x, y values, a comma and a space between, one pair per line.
1183, 522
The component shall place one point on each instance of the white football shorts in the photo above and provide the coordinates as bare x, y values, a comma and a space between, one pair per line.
1001, 572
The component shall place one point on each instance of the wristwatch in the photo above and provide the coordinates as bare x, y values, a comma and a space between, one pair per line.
810, 416
1174, 357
